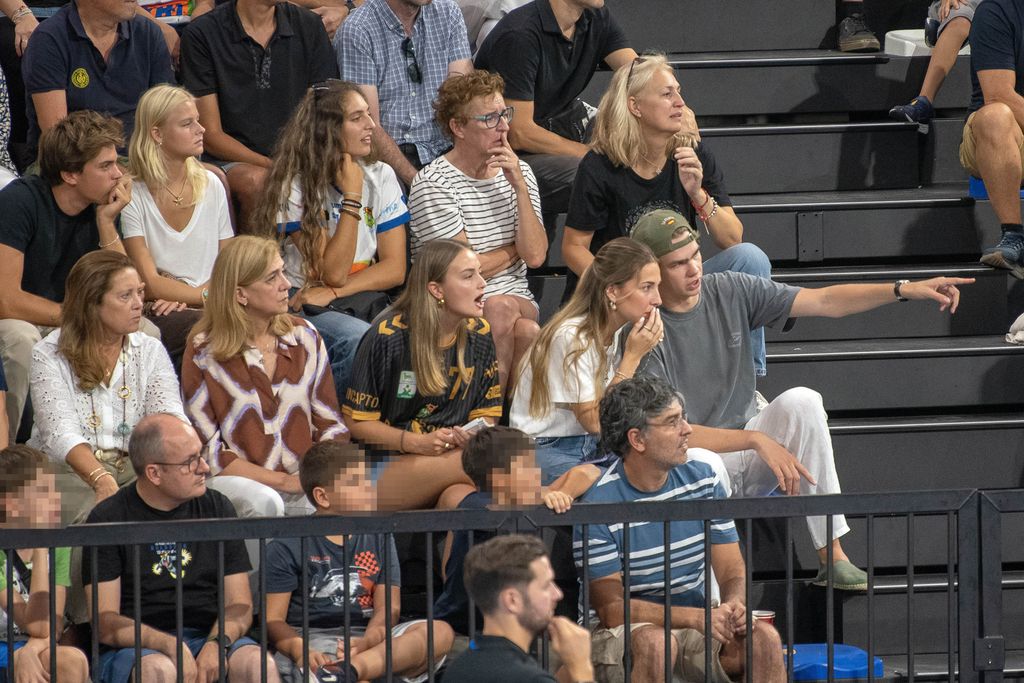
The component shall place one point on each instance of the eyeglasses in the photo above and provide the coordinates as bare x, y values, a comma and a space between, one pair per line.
190, 466
636, 60
413, 69
672, 423
491, 120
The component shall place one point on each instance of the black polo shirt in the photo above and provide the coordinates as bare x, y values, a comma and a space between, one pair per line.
51, 240
61, 56
256, 89
537, 62
493, 659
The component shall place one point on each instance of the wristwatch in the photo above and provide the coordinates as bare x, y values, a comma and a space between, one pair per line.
896, 290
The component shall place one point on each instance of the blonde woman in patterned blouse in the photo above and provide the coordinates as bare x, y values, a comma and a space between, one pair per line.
257, 382
93, 379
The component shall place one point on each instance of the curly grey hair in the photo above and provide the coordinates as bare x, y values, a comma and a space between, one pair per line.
630, 405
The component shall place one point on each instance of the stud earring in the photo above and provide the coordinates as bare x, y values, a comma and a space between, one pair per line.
440, 302
612, 306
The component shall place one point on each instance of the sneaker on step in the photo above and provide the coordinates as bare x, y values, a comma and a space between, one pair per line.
845, 577
855, 36
920, 110
1008, 254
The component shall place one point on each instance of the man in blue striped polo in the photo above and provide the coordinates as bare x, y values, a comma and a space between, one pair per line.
644, 423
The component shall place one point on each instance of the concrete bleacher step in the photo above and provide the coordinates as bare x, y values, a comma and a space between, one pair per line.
797, 82
890, 376
983, 309
699, 26
816, 157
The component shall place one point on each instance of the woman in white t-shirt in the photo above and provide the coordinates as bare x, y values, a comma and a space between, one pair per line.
341, 215
178, 218
482, 194
567, 369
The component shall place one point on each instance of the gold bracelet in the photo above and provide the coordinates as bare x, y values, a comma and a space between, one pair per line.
93, 473
401, 442
622, 375
116, 238
105, 473
350, 212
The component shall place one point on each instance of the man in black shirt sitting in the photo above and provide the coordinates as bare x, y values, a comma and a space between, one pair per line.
511, 580
171, 486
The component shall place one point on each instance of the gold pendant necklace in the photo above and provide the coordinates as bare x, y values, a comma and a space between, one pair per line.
178, 198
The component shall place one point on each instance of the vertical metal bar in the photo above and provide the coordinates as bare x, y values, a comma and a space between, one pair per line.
51, 580
950, 594
221, 651
179, 604
388, 673
9, 570
430, 609
910, 597
871, 597
263, 608
94, 617
585, 583
627, 653
747, 586
666, 568
304, 585
706, 524
472, 603
345, 561
137, 610
969, 583
789, 598
830, 617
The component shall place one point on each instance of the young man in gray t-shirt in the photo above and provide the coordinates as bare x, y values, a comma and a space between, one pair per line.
705, 354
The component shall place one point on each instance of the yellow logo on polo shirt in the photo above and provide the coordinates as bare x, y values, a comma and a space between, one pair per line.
80, 78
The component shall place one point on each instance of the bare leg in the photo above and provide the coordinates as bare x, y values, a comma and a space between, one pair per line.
223, 178
72, 666
408, 652
504, 314
648, 655
244, 665
526, 330
415, 482
837, 553
997, 138
944, 55
246, 182
767, 664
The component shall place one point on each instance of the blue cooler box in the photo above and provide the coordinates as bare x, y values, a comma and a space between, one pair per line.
810, 662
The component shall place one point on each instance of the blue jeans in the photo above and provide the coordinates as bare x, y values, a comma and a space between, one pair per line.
341, 334
116, 665
745, 258
556, 455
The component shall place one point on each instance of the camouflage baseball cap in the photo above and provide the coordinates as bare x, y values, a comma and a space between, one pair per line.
664, 231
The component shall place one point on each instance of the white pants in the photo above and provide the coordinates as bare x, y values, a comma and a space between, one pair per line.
797, 420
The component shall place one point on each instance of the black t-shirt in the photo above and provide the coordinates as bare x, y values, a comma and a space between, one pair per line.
383, 385
51, 240
452, 606
158, 561
257, 89
539, 64
607, 199
997, 42
493, 659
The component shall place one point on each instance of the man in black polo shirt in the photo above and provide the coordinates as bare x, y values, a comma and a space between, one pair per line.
92, 54
249, 62
49, 221
547, 52
511, 581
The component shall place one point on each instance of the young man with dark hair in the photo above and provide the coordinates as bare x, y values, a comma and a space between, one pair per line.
49, 222
643, 422
511, 580
333, 475
166, 455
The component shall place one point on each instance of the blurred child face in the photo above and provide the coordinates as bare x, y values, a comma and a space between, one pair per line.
521, 484
351, 491
34, 505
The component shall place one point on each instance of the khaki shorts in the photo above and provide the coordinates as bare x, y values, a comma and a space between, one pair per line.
608, 649
967, 155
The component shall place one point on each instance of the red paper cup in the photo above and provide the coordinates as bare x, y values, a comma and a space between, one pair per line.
764, 615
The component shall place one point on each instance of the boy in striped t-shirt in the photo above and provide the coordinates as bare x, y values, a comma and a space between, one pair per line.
643, 421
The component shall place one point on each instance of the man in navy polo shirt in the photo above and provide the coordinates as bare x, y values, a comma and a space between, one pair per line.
249, 62
92, 54
547, 52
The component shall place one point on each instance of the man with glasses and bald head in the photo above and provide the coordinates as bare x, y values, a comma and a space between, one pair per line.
171, 486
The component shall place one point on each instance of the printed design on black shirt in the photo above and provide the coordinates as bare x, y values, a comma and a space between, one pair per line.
168, 560
638, 211
328, 583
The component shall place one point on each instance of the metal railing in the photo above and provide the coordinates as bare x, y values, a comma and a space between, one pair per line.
973, 563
